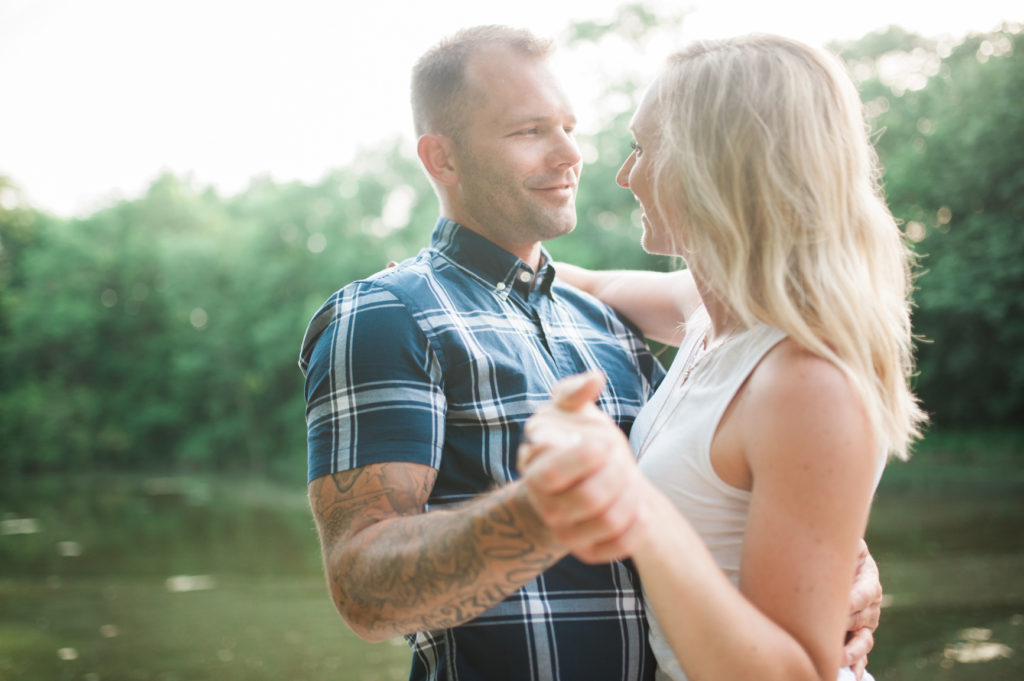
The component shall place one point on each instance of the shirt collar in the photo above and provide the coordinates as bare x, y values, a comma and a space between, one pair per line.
492, 264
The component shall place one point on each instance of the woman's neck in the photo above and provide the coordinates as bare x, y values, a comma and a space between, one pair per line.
724, 321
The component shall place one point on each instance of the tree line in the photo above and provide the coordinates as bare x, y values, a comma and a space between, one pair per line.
162, 333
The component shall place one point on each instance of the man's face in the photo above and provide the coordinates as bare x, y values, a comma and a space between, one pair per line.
517, 159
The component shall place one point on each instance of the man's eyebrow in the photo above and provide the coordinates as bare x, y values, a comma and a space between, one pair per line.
540, 118
526, 120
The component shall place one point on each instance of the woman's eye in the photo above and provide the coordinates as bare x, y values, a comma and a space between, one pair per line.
635, 147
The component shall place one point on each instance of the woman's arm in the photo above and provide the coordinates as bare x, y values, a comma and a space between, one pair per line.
657, 302
804, 434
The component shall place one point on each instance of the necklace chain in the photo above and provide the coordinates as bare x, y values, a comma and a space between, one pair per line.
698, 353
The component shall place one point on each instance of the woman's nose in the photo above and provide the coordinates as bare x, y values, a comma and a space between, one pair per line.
622, 177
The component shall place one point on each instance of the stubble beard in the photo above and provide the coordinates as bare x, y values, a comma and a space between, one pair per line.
510, 211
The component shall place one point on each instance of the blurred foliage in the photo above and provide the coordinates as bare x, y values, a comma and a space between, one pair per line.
632, 22
952, 145
162, 333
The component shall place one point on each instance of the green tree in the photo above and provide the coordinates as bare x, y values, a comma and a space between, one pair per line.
163, 332
953, 151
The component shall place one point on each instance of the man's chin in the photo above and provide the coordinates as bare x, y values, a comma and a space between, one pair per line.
552, 225
559, 230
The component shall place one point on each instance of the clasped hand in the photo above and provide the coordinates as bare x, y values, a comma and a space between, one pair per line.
581, 475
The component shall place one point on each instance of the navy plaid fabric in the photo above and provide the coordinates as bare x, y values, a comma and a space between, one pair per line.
440, 361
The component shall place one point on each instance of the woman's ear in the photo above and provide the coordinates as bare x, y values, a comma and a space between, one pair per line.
437, 155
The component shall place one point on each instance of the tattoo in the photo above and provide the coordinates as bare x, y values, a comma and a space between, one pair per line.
370, 494
430, 571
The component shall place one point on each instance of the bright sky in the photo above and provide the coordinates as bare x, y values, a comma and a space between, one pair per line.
99, 96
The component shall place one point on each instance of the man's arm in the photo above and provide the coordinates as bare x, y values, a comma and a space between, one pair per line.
394, 569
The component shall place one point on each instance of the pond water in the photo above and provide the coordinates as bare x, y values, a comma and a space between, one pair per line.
189, 579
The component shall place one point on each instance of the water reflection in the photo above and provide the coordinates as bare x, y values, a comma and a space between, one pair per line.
183, 583
19, 526
155, 526
258, 609
975, 645
69, 549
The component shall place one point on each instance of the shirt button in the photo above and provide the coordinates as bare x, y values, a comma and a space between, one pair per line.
500, 286
525, 277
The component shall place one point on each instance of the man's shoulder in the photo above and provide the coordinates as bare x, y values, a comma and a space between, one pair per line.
387, 284
378, 303
408, 270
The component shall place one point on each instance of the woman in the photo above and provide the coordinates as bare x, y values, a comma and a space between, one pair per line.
763, 446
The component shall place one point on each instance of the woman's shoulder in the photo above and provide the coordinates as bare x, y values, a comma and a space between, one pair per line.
796, 398
790, 369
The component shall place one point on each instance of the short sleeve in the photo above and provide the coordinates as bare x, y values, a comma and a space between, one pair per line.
373, 384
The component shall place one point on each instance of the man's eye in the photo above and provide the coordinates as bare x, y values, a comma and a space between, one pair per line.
635, 147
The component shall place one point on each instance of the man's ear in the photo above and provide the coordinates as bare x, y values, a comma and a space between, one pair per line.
437, 154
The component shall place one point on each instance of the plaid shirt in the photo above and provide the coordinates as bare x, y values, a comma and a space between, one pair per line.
440, 361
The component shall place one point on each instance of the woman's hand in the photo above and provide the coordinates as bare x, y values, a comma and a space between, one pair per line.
581, 475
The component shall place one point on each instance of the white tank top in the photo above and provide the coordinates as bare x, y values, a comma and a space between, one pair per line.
672, 437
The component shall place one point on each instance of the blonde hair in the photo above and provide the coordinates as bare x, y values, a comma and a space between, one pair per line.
764, 146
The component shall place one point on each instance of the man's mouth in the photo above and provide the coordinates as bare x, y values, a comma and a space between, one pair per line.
561, 187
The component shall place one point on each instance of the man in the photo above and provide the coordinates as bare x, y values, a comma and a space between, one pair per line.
419, 379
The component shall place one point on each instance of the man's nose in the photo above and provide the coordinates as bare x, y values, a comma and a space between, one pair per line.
567, 151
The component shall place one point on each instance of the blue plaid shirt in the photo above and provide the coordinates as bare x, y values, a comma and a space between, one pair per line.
440, 361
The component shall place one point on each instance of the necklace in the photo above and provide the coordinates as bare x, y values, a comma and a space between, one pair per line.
700, 351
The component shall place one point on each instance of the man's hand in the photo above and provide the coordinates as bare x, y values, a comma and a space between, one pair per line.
580, 473
865, 611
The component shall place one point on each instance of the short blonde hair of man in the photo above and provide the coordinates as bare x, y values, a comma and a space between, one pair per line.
764, 155
441, 102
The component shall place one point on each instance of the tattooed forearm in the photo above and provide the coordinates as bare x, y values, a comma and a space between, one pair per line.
394, 569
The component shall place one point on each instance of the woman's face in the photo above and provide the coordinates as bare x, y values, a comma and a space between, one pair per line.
661, 232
